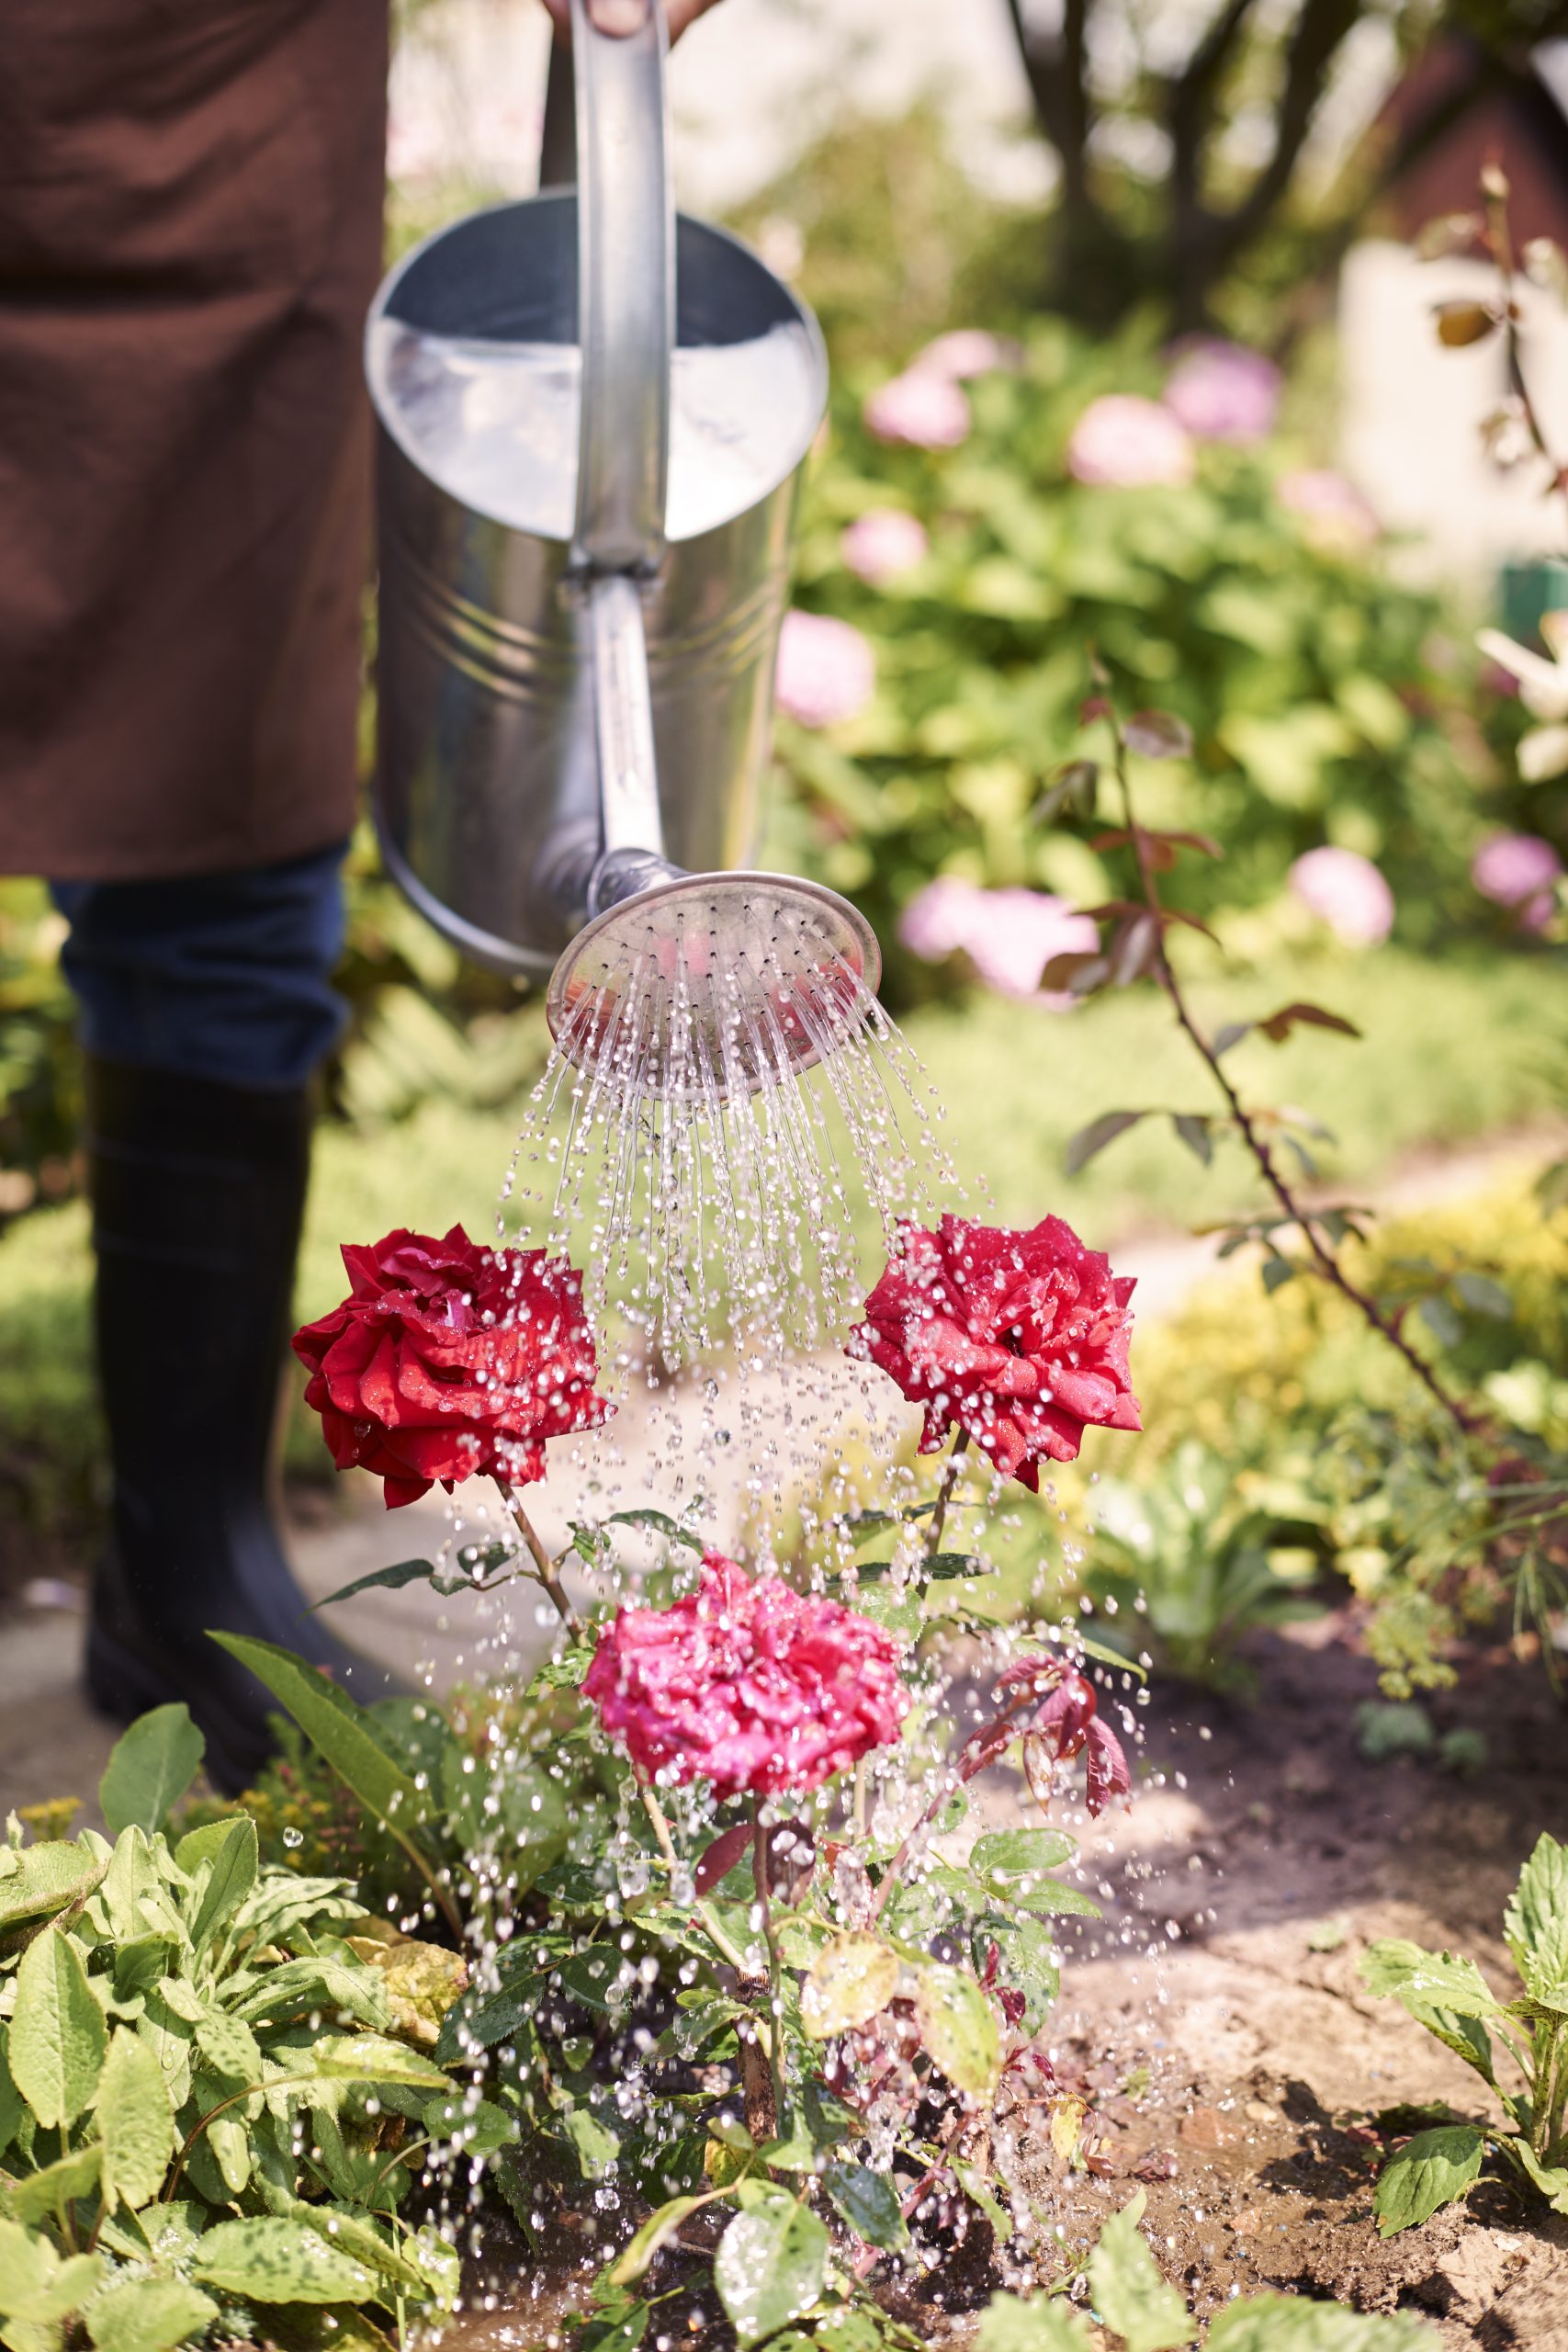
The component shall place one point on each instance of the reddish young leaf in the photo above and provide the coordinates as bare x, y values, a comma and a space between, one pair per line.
722, 1856
1279, 1025
1159, 735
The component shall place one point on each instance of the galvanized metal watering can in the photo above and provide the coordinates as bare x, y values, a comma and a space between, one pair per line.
592, 417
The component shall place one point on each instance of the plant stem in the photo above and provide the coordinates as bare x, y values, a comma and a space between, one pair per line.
1499, 237
545, 1567
945, 1496
775, 1966
1327, 1262
655, 1812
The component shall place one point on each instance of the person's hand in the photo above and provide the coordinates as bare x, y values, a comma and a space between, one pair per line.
623, 16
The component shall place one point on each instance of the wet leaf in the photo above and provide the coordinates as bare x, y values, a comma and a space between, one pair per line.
150, 1769
58, 2037
1404, 1970
659, 2227
148, 2315
1093, 1139
1433, 2170
1012, 1862
869, 2203
958, 2026
136, 2121
1130, 2295
770, 2265
1031, 2324
1157, 735
855, 1976
344, 1732
1039, 1768
1296, 2323
660, 1520
269, 2260
1026, 1962
392, 1579
719, 1859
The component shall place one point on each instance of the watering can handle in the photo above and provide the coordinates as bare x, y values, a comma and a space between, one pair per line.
625, 276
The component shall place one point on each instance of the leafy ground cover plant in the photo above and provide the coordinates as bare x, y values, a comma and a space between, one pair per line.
1519, 2048
211, 2092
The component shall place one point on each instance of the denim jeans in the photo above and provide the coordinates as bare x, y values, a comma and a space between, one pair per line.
224, 976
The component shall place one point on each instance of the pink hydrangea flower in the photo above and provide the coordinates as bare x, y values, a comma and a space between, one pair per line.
1345, 891
747, 1684
1221, 392
1518, 870
883, 542
968, 351
1009, 936
922, 408
827, 671
1128, 443
1331, 510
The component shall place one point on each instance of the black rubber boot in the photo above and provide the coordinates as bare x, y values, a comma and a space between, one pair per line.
197, 1194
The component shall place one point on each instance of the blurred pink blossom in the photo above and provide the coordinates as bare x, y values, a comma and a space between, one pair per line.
1518, 870
1129, 443
827, 671
926, 410
968, 351
1009, 936
1221, 392
883, 542
1345, 891
1332, 511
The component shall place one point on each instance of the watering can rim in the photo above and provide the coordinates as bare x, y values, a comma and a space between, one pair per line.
388, 413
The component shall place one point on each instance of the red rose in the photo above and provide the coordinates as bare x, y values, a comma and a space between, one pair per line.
450, 1362
1020, 1339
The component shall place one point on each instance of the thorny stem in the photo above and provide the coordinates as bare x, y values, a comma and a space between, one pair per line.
545, 1567
775, 1963
1327, 1262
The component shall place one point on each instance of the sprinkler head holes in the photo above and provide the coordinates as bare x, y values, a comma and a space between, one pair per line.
708, 985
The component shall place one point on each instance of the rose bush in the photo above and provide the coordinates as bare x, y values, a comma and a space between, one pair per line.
448, 1360
747, 1685
1018, 1339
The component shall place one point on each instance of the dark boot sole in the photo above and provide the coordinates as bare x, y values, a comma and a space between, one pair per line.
122, 1686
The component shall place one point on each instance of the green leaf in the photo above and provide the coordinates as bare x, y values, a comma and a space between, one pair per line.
233, 1858
1405, 1971
47, 1879
391, 1579
343, 1733
27, 2266
1296, 2323
61, 2295
1013, 1862
136, 2121
896, 1612
58, 2036
1082, 1147
634, 2257
11, 2108
1081, 1644
1433, 2170
1026, 1963
148, 2315
1535, 1924
850, 1979
869, 2203
671, 1529
1129, 2293
1550, 2179
367, 2057
39, 2196
272, 2260
959, 2028
770, 2265
1443, 1319
1031, 2323
150, 1769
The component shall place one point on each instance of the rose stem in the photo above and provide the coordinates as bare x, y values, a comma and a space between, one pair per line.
1328, 1264
945, 1496
655, 1812
775, 1974
543, 1562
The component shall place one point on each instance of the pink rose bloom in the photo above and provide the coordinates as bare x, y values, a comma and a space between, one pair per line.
1345, 891
969, 351
1331, 510
747, 1684
1222, 392
1009, 936
921, 408
827, 671
1129, 443
1518, 870
881, 543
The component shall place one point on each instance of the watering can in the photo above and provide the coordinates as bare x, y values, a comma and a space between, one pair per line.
592, 417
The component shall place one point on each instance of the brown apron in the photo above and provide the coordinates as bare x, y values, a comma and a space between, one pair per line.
190, 232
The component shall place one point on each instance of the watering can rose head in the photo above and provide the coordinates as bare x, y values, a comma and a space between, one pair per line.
447, 1360
747, 1684
1018, 1339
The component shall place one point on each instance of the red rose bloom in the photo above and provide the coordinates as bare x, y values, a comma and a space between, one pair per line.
747, 1684
1020, 1338
447, 1360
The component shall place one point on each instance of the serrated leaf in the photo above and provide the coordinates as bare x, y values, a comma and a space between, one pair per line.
1083, 1147
659, 2227
770, 2267
851, 1978
1404, 1970
150, 1769
1013, 1862
1550, 2179
1130, 2295
148, 2315
269, 2260
58, 2037
1296, 2323
868, 2202
1433, 2170
959, 2027
1535, 1924
1031, 2324
136, 2121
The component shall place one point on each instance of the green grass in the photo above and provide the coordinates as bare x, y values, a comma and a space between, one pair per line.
1450, 1051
